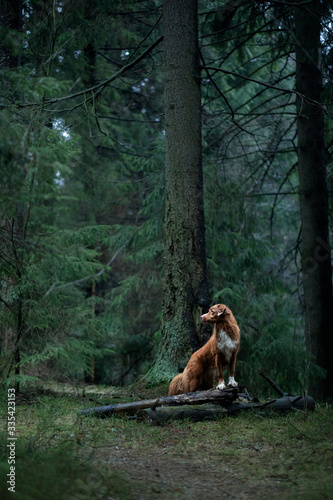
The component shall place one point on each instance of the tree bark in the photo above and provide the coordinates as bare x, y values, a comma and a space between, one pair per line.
316, 251
185, 290
217, 396
214, 411
11, 21
200, 406
205, 412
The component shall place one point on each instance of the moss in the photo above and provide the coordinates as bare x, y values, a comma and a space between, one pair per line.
174, 353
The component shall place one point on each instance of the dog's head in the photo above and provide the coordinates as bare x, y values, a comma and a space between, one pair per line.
215, 314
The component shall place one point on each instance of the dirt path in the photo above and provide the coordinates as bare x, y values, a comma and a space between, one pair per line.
166, 477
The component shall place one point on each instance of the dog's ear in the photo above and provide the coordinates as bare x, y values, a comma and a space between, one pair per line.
221, 310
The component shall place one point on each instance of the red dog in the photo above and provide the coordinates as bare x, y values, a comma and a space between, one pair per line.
218, 353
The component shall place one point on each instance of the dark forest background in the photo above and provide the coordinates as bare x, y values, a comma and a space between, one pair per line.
82, 185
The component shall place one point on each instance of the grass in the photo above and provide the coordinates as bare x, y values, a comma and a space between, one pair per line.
60, 455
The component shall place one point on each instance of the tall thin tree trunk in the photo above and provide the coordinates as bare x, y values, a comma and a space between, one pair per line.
90, 54
11, 20
185, 291
316, 251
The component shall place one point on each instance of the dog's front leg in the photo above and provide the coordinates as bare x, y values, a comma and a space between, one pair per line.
219, 366
232, 365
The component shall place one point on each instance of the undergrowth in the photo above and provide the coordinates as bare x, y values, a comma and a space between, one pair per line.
62, 456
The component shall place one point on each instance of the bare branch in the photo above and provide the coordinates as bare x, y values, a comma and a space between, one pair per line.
86, 278
97, 89
286, 91
221, 94
7, 305
145, 38
279, 193
291, 4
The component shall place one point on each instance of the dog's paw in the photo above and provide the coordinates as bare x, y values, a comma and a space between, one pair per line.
221, 386
232, 382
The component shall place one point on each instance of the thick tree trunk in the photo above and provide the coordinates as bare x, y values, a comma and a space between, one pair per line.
316, 251
185, 291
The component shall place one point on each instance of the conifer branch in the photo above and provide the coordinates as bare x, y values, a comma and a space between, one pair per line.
97, 89
267, 85
7, 304
221, 94
291, 4
86, 278
279, 193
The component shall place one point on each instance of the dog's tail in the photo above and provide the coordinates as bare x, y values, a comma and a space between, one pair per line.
176, 385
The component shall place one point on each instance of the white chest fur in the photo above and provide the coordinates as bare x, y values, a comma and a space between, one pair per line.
225, 344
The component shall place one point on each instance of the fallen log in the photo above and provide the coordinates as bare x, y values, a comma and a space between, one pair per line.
223, 397
214, 403
282, 404
213, 411
164, 414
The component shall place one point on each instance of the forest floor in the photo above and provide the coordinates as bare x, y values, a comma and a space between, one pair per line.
61, 456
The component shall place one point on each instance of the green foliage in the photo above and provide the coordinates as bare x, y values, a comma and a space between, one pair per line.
47, 473
82, 190
133, 307
59, 456
44, 313
250, 151
48, 458
74, 195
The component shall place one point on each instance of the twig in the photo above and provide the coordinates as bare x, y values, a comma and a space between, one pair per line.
286, 91
273, 384
301, 432
121, 377
154, 406
222, 95
100, 87
86, 278
7, 305
292, 4
145, 38
279, 193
